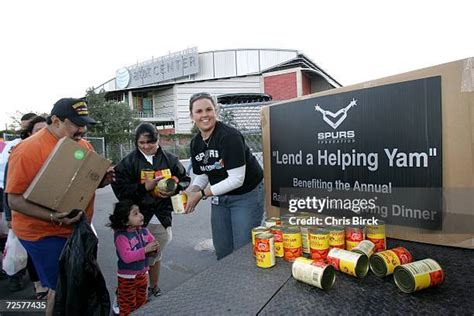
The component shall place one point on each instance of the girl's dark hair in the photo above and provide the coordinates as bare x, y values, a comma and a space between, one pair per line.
199, 96
119, 219
146, 128
28, 116
29, 129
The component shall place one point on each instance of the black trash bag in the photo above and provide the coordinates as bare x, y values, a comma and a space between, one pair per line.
81, 288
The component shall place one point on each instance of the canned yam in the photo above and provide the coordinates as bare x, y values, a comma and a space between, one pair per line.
418, 275
365, 247
278, 239
383, 263
305, 239
146, 174
166, 185
319, 243
179, 202
272, 221
258, 230
292, 245
376, 234
336, 237
264, 250
354, 235
312, 272
349, 262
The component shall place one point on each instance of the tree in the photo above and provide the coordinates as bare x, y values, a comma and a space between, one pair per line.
227, 117
115, 119
14, 127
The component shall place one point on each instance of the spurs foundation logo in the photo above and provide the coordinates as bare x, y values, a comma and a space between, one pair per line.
334, 120
326, 114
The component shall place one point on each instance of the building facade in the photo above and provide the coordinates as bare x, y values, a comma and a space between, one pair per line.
158, 90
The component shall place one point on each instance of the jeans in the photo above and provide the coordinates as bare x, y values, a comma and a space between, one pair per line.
233, 218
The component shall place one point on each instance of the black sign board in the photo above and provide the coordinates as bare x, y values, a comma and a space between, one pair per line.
368, 152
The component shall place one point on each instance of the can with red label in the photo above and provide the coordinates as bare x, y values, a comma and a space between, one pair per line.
292, 245
319, 243
383, 263
313, 272
354, 235
258, 230
264, 250
418, 275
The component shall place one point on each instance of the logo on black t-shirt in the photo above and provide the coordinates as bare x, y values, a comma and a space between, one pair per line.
212, 155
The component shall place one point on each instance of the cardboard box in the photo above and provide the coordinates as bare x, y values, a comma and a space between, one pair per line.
68, 178
457, 130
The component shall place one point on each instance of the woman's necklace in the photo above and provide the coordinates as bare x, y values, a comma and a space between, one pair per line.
207, 141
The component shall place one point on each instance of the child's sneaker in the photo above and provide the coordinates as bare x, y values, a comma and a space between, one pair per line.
115, 306
154, 292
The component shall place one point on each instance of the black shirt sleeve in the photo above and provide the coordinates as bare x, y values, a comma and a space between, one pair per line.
233, 151
126, 186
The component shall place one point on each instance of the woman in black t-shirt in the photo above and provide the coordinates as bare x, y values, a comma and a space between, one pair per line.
221, 158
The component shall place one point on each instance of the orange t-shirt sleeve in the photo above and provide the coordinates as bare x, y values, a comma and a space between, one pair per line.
22, 169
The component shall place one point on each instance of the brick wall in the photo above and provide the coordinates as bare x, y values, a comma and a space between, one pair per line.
306, 84
281, 87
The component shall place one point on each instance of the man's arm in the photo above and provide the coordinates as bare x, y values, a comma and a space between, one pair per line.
19, 204
108, 178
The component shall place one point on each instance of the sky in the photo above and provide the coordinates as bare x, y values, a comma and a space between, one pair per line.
54, 49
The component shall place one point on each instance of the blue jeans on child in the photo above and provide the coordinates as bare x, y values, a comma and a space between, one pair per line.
232, 219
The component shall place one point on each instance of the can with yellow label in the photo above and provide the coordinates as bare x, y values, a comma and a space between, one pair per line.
292, 245
418, 275
337, 237
166, 185
383, 263
264, 250
146, 174
349, 262
376, 234
305, 244
277, 231
319, 243
313, 272
178, 202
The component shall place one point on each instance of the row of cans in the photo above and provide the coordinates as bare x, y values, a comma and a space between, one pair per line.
354, 262
344, 237
409, 277
292, 242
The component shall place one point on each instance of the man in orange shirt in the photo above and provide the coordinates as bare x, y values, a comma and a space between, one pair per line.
43, 232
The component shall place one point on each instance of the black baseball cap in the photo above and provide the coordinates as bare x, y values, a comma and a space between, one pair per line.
74, 110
